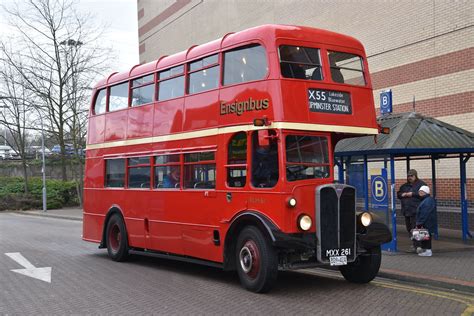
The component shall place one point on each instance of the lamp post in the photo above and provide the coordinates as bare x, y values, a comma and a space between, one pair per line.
43, 169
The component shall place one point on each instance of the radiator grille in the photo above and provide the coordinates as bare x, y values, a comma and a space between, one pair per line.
336, 226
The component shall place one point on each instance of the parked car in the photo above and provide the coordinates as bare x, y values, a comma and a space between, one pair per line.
36, 152
6, 152
56, 150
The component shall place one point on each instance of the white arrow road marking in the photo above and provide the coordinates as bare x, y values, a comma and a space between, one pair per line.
43, 274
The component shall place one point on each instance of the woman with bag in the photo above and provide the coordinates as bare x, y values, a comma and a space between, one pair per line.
426, 218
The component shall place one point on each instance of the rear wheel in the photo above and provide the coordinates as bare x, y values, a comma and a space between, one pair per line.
365, 268
117, 241
256, 261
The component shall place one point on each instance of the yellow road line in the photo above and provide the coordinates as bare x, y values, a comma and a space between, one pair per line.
452, 297
460, 298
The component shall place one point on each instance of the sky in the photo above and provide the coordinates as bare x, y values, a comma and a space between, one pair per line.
120, 17
122, 34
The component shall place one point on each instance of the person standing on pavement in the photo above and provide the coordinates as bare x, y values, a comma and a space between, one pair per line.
426, 218
410, 199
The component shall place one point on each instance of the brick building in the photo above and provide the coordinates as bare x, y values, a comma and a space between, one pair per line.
422, 50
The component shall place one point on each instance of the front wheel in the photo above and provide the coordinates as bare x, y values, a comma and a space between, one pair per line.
117, 241
365, 268
257, 264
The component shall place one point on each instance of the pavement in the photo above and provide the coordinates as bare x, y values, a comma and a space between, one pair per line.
450, 267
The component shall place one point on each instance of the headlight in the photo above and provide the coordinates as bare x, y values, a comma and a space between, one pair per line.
292, 202
366, 219
304, 222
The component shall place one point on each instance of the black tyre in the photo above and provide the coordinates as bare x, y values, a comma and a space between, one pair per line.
365, 268
116, 237
256, 261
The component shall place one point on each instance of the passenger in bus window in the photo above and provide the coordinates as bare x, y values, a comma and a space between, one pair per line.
171, 180
289, 69
336, 73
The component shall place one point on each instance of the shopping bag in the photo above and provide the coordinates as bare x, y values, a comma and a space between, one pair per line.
420, 234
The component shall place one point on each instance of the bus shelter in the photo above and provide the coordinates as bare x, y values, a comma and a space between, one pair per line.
412, 137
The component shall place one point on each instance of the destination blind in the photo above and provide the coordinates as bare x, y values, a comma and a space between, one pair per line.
329, 101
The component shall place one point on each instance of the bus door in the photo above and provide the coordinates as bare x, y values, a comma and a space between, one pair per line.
201, 209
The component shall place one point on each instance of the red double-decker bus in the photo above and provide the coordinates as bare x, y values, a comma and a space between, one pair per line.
223, 155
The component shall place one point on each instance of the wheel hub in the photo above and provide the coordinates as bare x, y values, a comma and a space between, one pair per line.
250, 259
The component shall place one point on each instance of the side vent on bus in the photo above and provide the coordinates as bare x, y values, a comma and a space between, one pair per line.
217, 238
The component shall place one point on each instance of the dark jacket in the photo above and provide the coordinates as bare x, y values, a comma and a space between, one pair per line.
410, 204
426, 214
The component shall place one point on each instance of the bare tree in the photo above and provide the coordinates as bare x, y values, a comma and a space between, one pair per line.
15, 103
61, 54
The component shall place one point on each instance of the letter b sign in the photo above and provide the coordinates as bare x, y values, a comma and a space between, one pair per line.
379, 190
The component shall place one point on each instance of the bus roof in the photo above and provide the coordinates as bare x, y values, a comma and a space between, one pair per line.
266, 33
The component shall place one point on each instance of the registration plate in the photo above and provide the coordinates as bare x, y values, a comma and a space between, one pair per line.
338, 261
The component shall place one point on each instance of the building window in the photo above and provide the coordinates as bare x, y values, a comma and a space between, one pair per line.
139, 172
245, 64
171, 83
115, 173
237, 160
118, 98
203, 74
346, 68
199, 170
300, 62
167, 171
307, 157
142, 90
264, 159
100, 102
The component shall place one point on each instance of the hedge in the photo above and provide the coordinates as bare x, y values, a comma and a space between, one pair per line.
58, 193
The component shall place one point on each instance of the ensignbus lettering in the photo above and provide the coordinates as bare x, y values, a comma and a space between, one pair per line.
239, 107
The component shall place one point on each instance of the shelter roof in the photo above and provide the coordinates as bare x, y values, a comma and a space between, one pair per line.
410, 134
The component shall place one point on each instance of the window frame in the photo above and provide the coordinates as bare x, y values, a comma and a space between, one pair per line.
129, 167
132, 87
125, 175
189, 72
362, 70
110, 95
199, 162
245, 166
106, 89
241, 46
329, 164
171, 77
169, 164
321, 62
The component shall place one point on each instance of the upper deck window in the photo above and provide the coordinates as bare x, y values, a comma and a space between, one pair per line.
245, 64
346, 68
300, 62
171, 84
204, 74
142, 90
100, 102
118, 97
307, 157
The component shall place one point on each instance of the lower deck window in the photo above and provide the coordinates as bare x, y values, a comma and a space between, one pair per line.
115, 173
200, 170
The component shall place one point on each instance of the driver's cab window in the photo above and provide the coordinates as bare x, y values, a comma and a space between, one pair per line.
264, 159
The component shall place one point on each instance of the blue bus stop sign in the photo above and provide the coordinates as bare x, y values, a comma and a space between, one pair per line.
380, 192
386, 101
